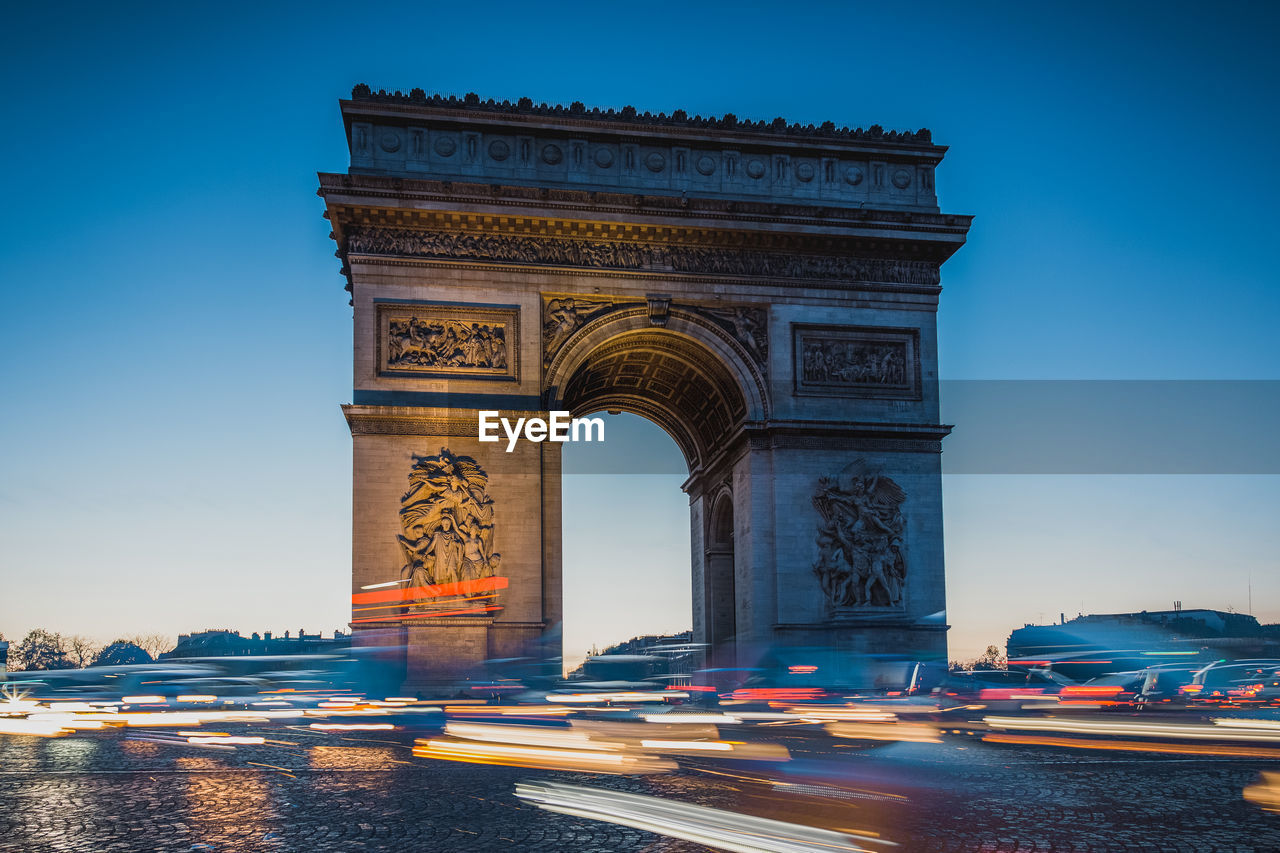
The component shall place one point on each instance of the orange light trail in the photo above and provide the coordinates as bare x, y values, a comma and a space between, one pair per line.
464, 611
1090, 690
443, 590
394, 606
1136, 746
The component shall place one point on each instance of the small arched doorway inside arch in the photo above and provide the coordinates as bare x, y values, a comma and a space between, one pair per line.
718, 585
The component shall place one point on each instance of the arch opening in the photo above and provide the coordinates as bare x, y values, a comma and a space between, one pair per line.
625, 537
669, 378
692, 386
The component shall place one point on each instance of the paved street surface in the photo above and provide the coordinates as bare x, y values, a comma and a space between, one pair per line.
111, 791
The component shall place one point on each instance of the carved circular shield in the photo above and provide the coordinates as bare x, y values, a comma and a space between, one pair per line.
499, 150
551, 154
755, 169
444, 146
902, 179
705, 165
656, 162
603, 158
853, 176
390, 141
805, 172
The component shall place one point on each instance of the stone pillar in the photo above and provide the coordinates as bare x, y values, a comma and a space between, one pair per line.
882, 528
524, 486
698, 562
755, 562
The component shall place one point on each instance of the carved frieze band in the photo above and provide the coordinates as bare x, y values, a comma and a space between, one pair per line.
430, 340
856, 361
846, 168
654, 257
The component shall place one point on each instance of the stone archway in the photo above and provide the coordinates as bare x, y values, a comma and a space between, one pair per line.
764, 293
679, 369
685, 374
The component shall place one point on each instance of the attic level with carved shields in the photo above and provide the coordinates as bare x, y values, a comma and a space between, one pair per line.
765, 292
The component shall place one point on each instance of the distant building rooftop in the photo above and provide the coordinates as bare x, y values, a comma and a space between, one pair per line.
1112, 642
222, 643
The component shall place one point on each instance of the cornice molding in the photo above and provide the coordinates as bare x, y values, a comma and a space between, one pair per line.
343, 189
922, 437
471, 106
407, 420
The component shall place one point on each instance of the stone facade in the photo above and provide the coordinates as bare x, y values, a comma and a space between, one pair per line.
766, 293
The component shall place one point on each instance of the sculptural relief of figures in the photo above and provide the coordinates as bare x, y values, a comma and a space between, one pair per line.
860, 538
446, 520
416, 342
497, 352
853, 362
446, 549
625, 255
563, 318
750, 328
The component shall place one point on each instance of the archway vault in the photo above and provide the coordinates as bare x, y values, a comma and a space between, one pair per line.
686, 375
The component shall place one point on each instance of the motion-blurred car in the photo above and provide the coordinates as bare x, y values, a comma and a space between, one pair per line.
1267, 688
106, 683
838, 675
999, 689
1162, 686
1251, 682
1114, 690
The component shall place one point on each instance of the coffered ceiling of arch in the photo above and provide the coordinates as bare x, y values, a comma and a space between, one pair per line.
667, 378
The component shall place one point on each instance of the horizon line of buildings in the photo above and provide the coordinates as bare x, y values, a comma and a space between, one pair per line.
1097, 643
223, 642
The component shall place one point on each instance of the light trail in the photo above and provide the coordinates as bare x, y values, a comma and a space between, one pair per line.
724, 830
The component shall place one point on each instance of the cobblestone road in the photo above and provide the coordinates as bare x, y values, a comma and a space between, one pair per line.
319, 793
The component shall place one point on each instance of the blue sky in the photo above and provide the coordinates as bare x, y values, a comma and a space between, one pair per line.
176, 338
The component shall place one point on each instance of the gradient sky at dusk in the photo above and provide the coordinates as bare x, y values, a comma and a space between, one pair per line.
176, 340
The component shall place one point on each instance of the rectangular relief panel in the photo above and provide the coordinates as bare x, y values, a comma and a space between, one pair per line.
438, 340
857, 361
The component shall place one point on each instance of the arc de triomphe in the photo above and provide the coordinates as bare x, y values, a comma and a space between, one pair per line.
766, 293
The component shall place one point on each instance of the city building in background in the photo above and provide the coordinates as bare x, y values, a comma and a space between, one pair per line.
671, 658
1094, 644
227, 643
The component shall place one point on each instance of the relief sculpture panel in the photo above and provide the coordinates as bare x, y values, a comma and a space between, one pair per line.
860, 538
857, 361
420, 339
564, 316
750, 327
446, 520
